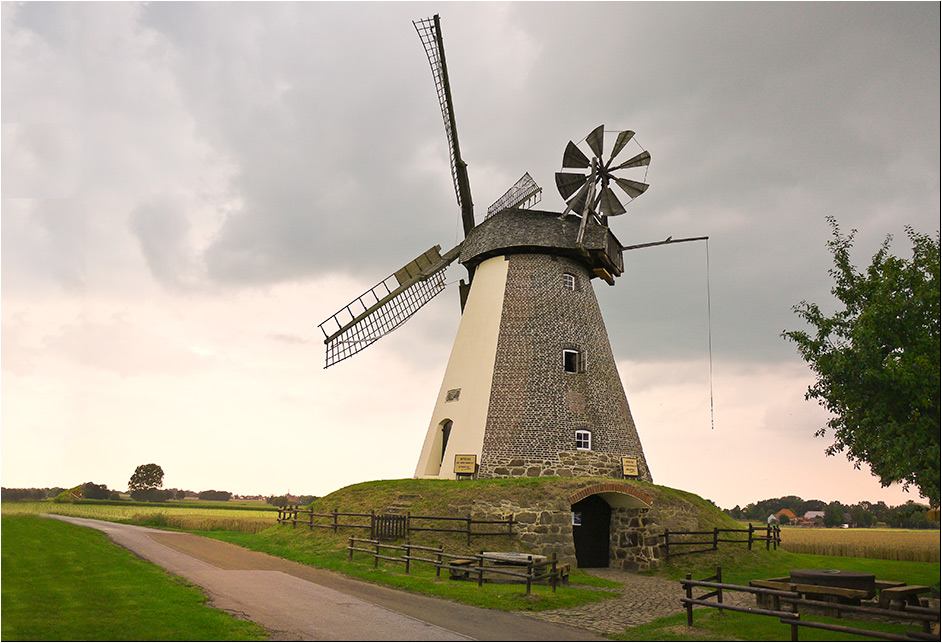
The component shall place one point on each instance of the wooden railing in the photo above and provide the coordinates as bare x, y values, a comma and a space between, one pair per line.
792, 617
535, 569
772, 539
392, 526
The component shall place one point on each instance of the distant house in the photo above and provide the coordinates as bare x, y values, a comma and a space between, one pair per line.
812, 519
778, 516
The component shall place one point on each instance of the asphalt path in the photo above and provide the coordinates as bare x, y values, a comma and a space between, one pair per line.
296, 602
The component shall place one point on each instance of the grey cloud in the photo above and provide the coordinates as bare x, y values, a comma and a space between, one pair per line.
162, 228
761, 118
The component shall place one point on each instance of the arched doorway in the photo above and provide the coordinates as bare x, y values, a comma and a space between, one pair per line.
592, 517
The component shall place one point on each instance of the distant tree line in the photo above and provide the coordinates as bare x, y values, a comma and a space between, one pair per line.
92, 491
911, 515
284, 501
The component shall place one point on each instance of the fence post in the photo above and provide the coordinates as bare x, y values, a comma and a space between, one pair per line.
667, 543
716, 538
408, 526
438, 567
689, 591
553, 571
408, 556
529, 573
480, 565
372, 524
351, 549
510, 525
719, 590
795, 629
768, 537
376, 556
750, 536
294, 517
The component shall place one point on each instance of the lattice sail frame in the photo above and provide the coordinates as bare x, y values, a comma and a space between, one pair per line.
429, 30
524, 194
385, 306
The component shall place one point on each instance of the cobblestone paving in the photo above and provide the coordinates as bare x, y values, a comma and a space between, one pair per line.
643, 599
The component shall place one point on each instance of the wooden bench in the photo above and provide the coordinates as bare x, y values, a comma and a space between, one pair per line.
887, 584
463, 564
817, 592
905, 595
562, 572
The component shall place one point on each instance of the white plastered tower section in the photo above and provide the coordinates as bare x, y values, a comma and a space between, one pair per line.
460, 416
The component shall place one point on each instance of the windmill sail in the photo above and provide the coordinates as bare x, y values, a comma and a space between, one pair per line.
524, 194
430, 33
385, 306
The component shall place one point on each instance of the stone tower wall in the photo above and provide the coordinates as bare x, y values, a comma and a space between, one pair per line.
535, 405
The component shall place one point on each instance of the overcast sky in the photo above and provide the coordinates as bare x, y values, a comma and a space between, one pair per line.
189, 189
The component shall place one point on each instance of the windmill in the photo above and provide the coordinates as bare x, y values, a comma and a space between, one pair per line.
531, 386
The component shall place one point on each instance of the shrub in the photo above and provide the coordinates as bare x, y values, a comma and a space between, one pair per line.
212, 494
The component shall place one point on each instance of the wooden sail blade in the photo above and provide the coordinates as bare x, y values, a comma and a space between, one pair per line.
568, 183
632, 188
386, 306
573, 157
595, 140
640, 160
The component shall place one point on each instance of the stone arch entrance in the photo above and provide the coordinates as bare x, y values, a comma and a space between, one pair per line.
595, 535
591, 529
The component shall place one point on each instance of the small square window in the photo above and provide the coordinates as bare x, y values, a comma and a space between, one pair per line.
569, 281
571, 361
583, 440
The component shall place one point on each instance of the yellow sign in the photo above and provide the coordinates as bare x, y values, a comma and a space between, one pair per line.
466, 463
629, 467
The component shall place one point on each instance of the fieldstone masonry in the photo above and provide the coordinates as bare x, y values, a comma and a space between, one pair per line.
566, 464
536, 406
634, 542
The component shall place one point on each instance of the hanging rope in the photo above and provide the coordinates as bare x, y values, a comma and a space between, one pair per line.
710, 331
671, 240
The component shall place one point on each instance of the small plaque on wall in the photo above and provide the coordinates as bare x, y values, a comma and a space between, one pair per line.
629, 467
465, 464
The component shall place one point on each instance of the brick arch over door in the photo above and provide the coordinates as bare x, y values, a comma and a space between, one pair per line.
616, 494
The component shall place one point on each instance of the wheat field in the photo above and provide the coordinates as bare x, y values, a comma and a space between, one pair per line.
195, 518
919, 545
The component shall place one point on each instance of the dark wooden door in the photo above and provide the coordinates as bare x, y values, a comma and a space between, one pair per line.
591, 537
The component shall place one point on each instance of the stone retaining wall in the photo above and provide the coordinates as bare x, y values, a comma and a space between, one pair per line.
547, 529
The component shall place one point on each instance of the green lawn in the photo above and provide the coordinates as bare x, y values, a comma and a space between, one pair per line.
63, 582
328, 552
710, 625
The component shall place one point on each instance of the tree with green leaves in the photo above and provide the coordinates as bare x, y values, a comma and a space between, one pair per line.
877, 361
146, 476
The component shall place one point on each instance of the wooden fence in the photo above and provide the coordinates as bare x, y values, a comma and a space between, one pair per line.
388, 527
465, 564
772, 537
791, 617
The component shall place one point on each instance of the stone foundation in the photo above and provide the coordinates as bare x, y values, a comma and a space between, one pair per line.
566, 464
546, 527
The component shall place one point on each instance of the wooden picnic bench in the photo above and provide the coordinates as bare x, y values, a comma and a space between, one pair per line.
906, 595
819, 592
460, 568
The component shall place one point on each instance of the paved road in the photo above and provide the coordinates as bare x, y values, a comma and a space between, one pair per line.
296, 602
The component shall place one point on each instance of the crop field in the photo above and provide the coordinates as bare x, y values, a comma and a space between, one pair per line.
917, 545
160, 515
